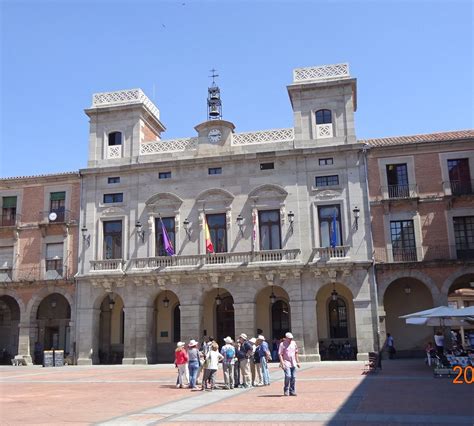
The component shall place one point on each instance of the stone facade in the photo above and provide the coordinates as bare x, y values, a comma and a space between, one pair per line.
38, 261
132, 305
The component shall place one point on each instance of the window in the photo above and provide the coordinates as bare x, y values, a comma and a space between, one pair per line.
115, 138
114, 179
113, 239
164, 175
460, 176
464, 236
326, 161
6, 257
323, 116
329, 226
58, 205
397, 180
54, 257
338, 328
168, 223
327, 180
218, 231
267, 166
269, 223
8, 211
280, 319
113, 198
402, 233
215, 170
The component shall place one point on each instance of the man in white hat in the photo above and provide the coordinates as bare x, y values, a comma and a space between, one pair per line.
228, 352
288, 353
244, 353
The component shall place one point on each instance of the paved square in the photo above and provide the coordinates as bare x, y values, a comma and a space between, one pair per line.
335, 393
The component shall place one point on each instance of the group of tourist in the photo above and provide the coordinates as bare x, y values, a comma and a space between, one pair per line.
244, 362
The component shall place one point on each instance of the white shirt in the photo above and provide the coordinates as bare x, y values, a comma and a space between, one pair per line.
214, 357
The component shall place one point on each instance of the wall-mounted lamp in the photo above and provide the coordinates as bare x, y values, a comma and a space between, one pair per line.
140, 231
53, 303
291, 219
111, 302
166, 301
218, 298
272, 297
407, 289
186, 226
356, 212
240, 222
334, 293
85, 236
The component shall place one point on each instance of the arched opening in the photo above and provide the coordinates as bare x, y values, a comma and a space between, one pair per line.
112, 330
461, 295
336, 323
9, 320
53, 318
280, 314
115, 138
225, 323
323, 116
405, 296
167, 326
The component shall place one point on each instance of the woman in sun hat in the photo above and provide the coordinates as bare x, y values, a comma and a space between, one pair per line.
193, 362
181, 361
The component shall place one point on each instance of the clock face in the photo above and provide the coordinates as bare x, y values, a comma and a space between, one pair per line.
214, 135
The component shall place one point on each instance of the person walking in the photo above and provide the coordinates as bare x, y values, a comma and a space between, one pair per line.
194, 362
212, 359
258, 380
181, 362
289, 361
244, 354
252, 360
237, 382
265, 356
228, 352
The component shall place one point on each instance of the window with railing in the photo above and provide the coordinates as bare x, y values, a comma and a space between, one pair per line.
464, 236
460, 176
58, 205
54, 258
270, 232
8, 211
169, 225
397, 181
402, 234
6, 257
114, 145
113, 239
329, 218
218, 231
323, 123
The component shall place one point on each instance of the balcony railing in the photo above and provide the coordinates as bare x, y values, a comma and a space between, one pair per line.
9, 219
460, 187
54, 265
403, 191
55, 216
328, 253
240, 258
424, 253
107, 265
6, 273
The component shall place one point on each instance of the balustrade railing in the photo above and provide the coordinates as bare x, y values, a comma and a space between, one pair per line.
171, 145
327, 253
460, 187
324, 131
114, 151
263, 136
424, 253
9, 219
322, 72
400, 191
107, 265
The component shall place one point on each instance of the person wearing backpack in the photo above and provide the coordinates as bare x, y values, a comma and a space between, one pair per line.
257, 377
228, 352
265, 357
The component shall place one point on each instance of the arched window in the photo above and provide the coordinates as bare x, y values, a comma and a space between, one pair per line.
337, 311
225, 322
323, 116
115, 138
280, 319
177, 323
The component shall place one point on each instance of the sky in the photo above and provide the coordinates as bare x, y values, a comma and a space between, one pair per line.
413, 61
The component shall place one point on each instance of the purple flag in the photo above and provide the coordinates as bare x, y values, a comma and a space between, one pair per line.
166, 240
333, 236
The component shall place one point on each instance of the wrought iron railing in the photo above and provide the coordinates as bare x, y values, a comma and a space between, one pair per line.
9, 219
327, 253
460, 187
431, 253
54, 265
400, 191
60, 215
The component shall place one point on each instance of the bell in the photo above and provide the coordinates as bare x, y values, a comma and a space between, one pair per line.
214, 95
213, 111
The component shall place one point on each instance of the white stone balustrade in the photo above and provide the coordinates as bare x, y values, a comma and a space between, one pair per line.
114, 151
328, 253
171, 145
324, 131
107, 265
264, 136
324, 72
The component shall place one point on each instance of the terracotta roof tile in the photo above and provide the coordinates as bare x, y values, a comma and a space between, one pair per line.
430, 137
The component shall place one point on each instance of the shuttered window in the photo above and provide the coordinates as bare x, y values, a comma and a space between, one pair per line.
54, 251
6, 257
9, 202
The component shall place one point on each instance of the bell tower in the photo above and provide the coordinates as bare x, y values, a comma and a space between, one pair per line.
214, 104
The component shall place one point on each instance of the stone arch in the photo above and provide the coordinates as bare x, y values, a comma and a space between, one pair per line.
211, 311
215, 194
19, 301
448, 282
265, 310
420, 276
9, 322
268, 190
163, 199
38, 297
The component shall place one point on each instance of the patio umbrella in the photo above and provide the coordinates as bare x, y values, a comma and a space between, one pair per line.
443, 312
435, 322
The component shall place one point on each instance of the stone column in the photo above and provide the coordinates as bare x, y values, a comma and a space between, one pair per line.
143, 334
87, 336
129, 335
310, 331
24, 331
245, 319
364, 328
191, 322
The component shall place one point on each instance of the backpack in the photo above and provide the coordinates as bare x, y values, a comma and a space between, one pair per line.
257, 356
229, 353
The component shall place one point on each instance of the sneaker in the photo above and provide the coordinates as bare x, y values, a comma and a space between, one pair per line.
292, 393
286, 393
177, 386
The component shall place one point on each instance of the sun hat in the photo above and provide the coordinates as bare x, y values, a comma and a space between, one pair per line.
180, 344
260, 337
243, 336
289, 335
228, 339
192, 342
253, 340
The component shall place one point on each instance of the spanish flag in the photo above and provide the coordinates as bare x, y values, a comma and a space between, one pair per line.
209, 245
